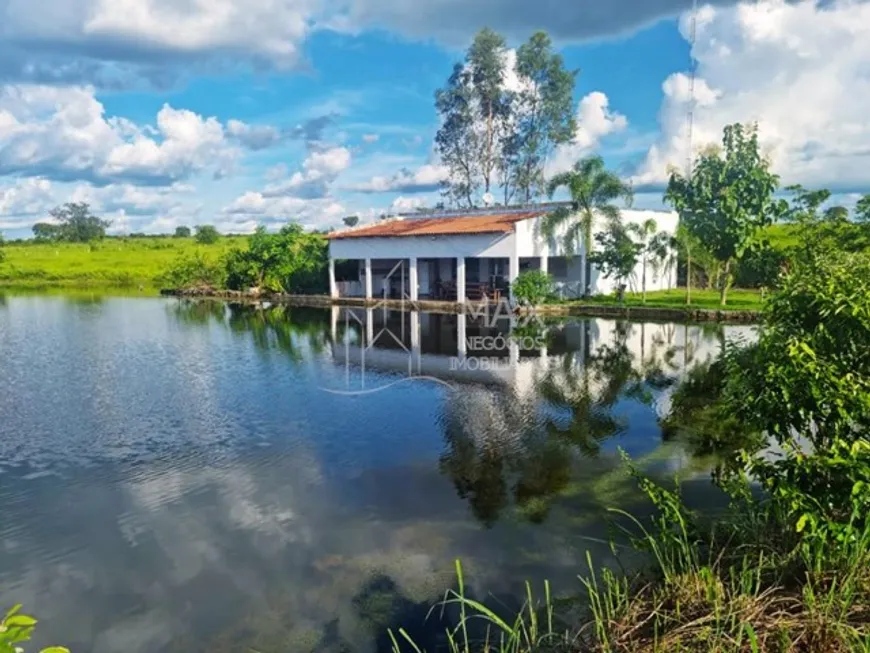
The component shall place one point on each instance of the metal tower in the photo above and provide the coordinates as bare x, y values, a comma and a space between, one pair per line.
693, 67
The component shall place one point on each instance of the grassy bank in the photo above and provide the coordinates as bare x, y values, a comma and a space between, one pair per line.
130, 262
739, 299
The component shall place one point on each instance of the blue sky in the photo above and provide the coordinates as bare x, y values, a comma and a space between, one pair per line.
230, 112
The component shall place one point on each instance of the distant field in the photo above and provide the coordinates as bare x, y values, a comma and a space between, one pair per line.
111, 262
782, 236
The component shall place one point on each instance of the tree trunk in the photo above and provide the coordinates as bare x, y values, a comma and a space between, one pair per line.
488, 168
725, 282
688, 279
643, 281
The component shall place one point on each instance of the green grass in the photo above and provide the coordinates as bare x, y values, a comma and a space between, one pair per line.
739, 299
112, 262
739, 584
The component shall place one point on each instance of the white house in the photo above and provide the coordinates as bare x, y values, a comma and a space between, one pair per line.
471, 255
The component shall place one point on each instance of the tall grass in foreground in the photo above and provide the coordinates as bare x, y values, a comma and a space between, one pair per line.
788, 567
745, 583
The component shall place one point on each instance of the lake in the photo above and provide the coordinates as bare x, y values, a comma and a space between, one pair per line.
200, 476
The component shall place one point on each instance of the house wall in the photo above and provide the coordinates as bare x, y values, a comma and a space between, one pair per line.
526, 242
472, 245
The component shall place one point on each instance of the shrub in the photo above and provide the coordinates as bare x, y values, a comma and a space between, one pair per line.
194, 270
206, 234
806, 383
182, 232
533, 287
288, 261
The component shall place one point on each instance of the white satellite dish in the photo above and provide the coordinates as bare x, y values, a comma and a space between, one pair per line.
488, 199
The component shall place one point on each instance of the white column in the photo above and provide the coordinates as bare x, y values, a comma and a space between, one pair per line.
584, 282
368, 278
460, 334
333, 288
545, 261
415, 331
460, 279
514, 353
413, 278
370, 327
333, 323
513, 270
415, 342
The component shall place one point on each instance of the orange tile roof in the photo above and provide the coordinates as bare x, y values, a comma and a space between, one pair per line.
443, 226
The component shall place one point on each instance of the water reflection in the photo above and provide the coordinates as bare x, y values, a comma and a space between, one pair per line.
174, 477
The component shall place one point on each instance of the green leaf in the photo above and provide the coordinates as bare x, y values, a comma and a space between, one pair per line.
20, 620
802, 522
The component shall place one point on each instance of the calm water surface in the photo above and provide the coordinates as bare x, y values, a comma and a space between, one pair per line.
181, 476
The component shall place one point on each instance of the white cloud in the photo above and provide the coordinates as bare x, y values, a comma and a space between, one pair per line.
25, 197
370, 138
24, 202
595, 120
254, 208
62, 133
319, 170
254, 137
455, 21
404, 204
108, 40
799, 69
128, 207
276, 172
425, 179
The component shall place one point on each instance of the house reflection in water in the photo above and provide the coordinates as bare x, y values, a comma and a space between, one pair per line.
511, 352
529, 404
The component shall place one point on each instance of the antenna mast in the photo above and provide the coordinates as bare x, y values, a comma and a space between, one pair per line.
693, 68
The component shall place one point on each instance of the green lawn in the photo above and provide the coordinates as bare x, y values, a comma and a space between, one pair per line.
111, 262
738, 299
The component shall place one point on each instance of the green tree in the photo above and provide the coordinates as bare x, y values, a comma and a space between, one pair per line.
196, 270
837, 214
486, 63
2, 253
456, 139
652, 246
617, 253
592, 189
288, 261
475, 110
862, 210
664, 255
206, 234
687, 246
73, 222
182, 232
816, 229
728, 199
806, 383
351, 220
45, 232
544, 115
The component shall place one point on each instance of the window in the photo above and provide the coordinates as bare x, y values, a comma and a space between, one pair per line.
557, 267
472, 269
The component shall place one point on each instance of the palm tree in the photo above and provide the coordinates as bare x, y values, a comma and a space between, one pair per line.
592, 188
646, 233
